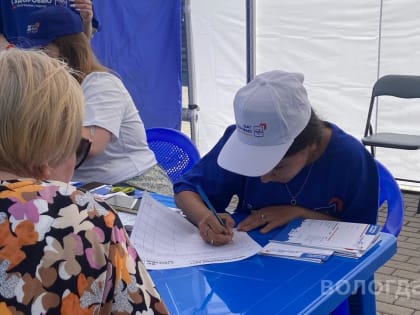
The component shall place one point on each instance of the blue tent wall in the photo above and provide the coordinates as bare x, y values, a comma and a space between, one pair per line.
141, 41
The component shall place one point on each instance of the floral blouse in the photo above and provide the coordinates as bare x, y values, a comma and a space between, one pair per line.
63, 252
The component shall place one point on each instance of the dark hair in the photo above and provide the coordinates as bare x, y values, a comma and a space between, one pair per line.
76, 51
311, 134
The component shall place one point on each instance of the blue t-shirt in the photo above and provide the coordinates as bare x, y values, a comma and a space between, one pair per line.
14, 16
343, 182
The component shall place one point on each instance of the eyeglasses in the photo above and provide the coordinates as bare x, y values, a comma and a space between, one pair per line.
82, 151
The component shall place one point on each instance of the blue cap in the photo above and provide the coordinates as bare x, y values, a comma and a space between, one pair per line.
49, 23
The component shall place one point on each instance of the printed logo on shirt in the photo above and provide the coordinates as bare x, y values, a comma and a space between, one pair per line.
62, 3
30, 2
335, 205
337, 202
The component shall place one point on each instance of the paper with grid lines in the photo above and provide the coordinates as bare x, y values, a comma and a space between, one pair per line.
164, 239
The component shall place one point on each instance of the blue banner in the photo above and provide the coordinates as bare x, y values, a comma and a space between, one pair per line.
141, 41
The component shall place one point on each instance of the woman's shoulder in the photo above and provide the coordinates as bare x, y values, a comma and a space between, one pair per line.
60, 204
345, 146
341, 138
102, 78
57, 193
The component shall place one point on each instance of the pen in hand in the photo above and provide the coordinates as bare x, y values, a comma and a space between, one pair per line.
208, 204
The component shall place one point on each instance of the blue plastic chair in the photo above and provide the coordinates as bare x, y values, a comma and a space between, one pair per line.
173, 150
390, 192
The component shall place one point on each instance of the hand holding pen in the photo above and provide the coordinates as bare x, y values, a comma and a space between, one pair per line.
215, 228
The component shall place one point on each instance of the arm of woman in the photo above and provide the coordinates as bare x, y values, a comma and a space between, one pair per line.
100, 138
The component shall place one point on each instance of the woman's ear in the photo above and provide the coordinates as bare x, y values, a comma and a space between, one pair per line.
313, 147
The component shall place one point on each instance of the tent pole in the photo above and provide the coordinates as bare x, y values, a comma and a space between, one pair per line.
250, 39
378, 70
190, 114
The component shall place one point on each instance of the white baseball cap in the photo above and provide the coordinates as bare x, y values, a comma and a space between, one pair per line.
270, 112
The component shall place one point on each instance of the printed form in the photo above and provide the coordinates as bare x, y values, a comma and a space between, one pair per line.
164, 239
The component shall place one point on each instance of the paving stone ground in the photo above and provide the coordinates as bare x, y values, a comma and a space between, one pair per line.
398, 281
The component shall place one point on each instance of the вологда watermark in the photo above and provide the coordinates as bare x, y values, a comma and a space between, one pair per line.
397, 288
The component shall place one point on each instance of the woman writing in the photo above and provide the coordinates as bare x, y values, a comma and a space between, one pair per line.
282, 162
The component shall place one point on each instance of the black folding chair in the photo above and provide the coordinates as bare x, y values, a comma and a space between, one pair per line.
401, 86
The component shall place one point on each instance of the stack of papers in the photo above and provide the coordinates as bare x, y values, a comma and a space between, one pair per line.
284, 250
311, 237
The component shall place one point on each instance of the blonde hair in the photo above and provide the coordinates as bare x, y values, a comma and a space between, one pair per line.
41, 112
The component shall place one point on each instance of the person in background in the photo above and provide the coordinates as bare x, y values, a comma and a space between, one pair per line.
61, 251
119, 152
14, 18
282, 162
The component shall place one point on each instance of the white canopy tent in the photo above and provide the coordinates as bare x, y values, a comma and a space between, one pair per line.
341, 47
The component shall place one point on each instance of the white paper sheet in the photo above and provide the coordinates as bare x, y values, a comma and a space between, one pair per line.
164, 239
127, 218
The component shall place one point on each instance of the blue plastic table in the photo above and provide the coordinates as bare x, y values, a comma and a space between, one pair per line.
270, 285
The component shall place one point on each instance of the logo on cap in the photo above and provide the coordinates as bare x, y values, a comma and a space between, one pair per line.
33, 28
259, 130
249, 130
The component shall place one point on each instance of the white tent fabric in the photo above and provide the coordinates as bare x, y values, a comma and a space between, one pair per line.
340, 46
218, 40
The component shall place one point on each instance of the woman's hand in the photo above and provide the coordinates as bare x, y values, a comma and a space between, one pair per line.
275, 216
269, 218
212, 232
84, 7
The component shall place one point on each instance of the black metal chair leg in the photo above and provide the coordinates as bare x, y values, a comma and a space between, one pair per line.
418, 206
